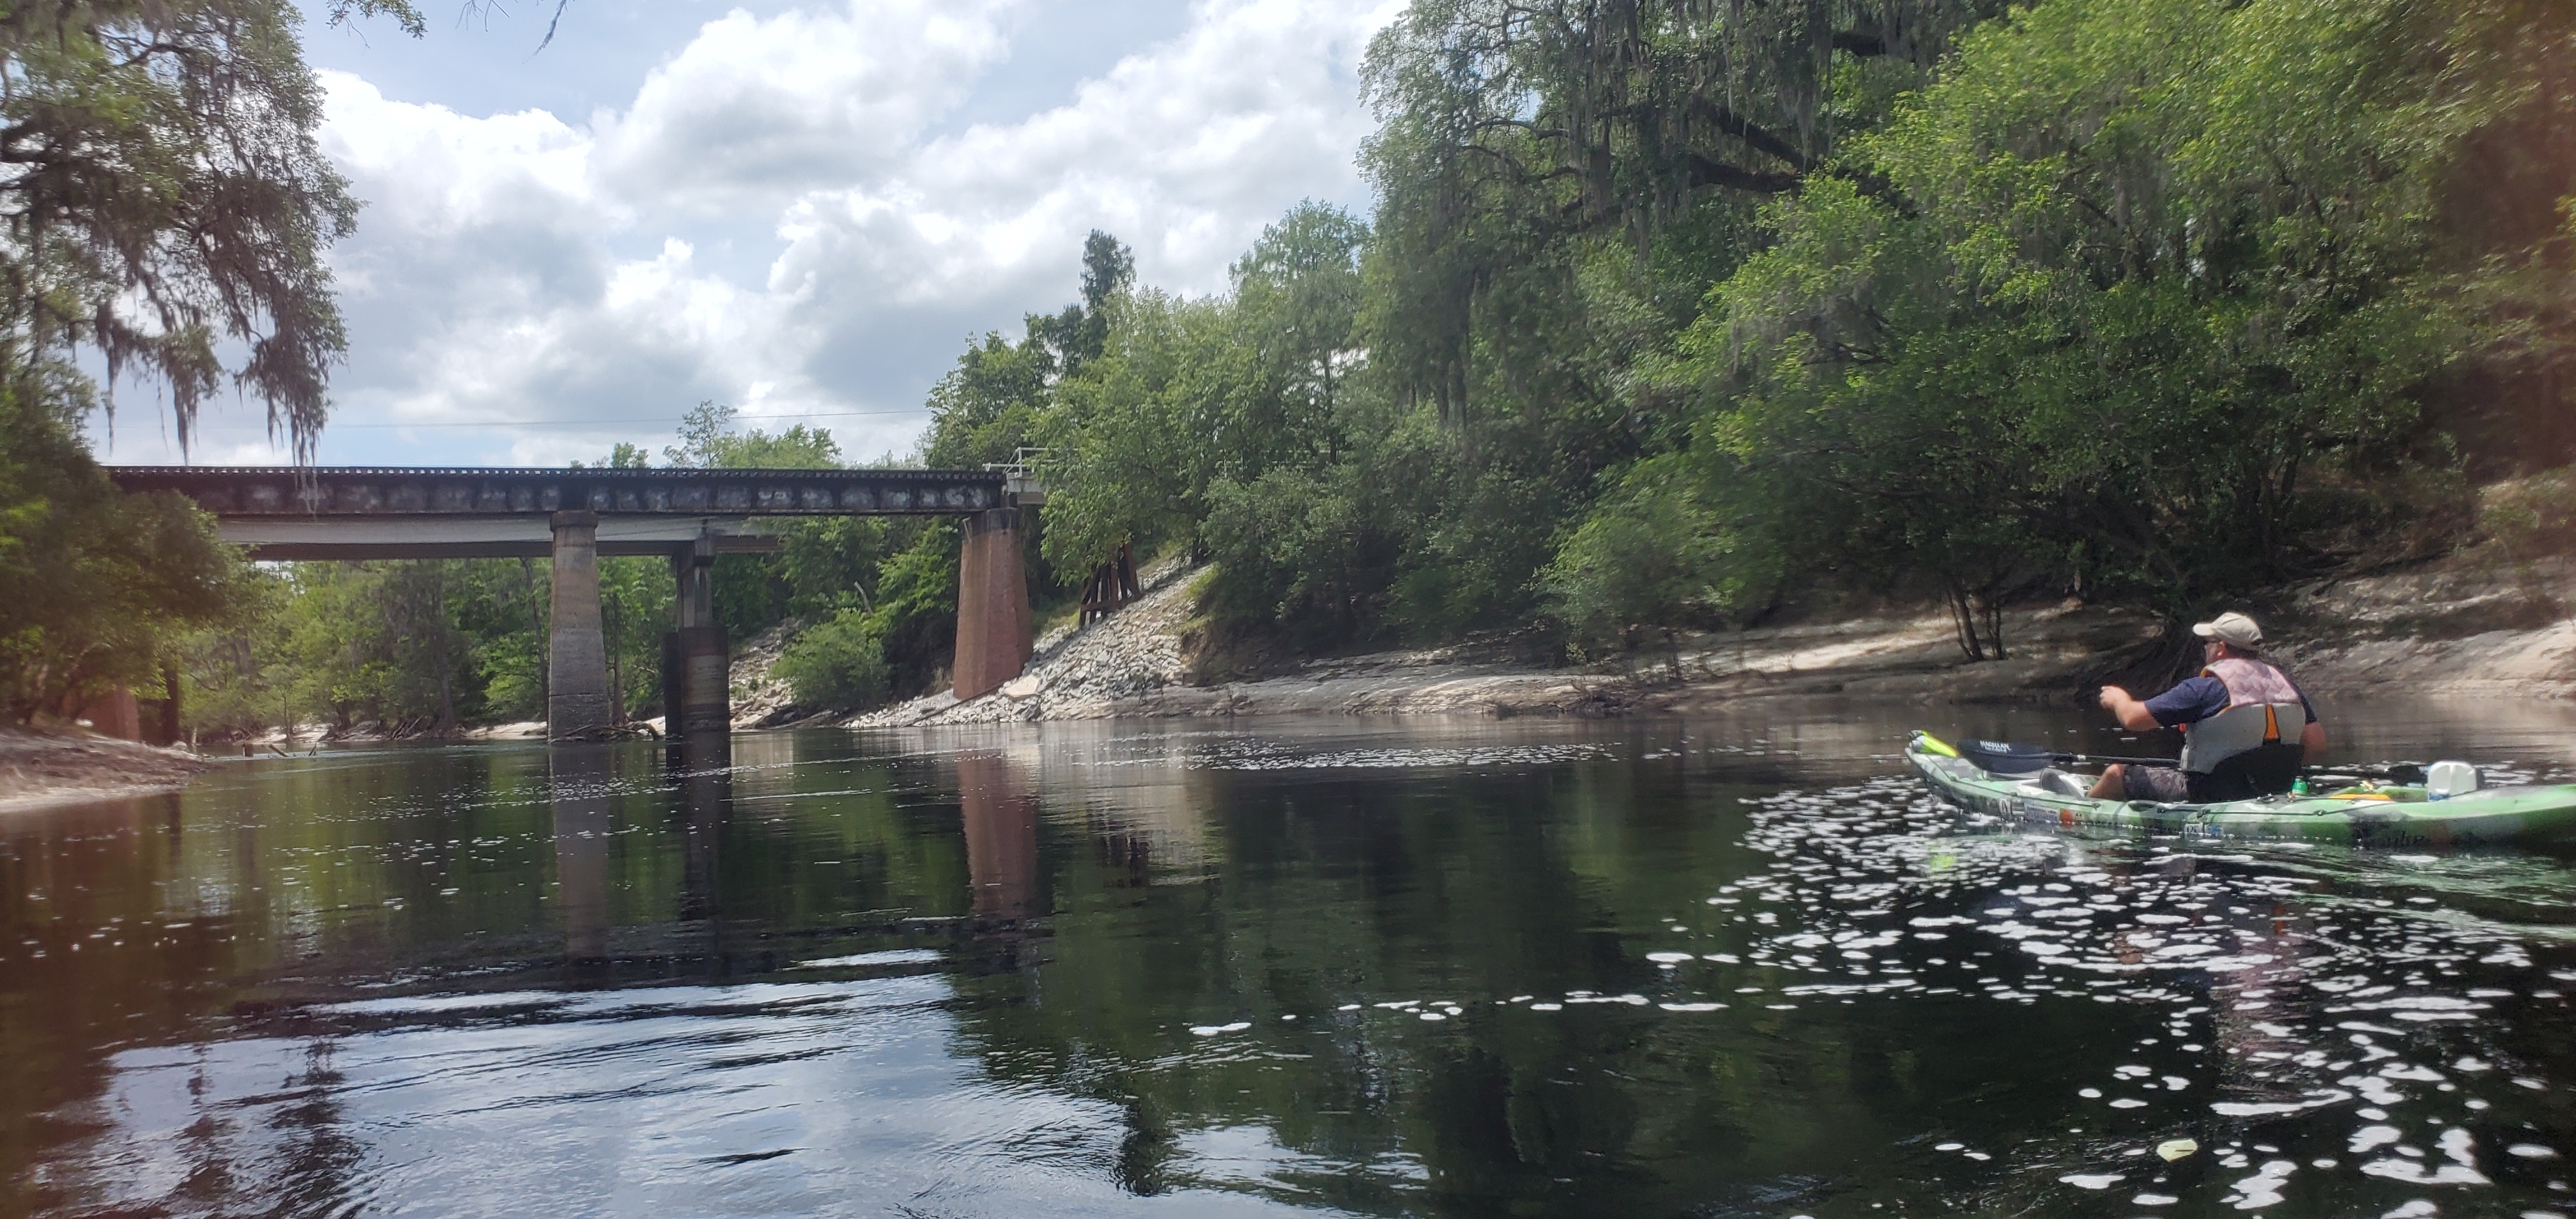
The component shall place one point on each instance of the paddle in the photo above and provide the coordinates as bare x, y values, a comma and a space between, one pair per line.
2007, 758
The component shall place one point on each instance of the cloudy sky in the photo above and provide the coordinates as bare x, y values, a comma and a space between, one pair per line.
804, 211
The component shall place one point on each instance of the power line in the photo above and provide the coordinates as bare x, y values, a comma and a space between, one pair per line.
209, 425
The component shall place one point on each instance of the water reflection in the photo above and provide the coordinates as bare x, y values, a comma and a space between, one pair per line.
1000, 818
704, 763
1722, 966
582, 832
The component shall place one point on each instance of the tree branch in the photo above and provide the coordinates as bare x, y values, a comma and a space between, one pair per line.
1708, 172
1758, 138
1860, 42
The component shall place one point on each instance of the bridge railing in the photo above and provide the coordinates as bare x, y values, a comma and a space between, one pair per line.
1020, 480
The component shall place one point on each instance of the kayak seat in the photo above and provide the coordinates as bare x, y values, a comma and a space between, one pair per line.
2056, 782
2265, 770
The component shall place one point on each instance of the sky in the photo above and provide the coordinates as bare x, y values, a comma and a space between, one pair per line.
803, 211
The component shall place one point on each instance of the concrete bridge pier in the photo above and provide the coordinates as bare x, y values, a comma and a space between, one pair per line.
992, 605
577, 650
696, 685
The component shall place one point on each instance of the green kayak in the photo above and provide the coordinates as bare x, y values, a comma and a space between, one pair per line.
2361, 815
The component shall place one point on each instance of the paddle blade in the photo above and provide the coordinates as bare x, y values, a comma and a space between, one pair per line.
2006, 758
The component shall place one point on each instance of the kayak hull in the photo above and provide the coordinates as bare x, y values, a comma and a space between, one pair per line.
2497, 816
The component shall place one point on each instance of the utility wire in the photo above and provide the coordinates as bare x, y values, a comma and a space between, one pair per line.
621, 422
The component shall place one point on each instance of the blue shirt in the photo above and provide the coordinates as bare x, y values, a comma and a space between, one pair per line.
2196, 699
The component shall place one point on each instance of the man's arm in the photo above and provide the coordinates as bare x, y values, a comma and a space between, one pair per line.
2132, 714
2312, 739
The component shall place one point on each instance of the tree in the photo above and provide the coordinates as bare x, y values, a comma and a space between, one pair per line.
163, 203
838, 663
1079, 333
166, 199
709, 440
2140, 279
101, 581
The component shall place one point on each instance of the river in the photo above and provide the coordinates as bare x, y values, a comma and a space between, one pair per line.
1734, 965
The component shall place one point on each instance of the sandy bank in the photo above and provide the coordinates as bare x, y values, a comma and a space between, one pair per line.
46, 768
2456, 629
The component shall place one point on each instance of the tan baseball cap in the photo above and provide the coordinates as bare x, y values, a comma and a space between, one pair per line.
2230, 627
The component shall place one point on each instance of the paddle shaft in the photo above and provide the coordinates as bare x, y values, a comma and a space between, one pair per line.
2099, 757
2364, 772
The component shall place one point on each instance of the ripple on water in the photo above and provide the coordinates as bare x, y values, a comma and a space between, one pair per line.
2303, 995
2306, 987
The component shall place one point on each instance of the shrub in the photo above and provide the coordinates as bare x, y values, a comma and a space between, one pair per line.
840, 663
2533, 517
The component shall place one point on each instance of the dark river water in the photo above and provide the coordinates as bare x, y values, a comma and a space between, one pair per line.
1722, 966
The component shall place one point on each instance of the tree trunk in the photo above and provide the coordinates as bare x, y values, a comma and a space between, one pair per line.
1963, 624
170, 708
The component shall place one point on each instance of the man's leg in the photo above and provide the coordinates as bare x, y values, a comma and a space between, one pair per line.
2113, 785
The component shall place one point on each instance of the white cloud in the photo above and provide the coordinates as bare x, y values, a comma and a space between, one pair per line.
776, 219
754, 107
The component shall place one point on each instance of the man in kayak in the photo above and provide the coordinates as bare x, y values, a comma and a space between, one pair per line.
2246, 726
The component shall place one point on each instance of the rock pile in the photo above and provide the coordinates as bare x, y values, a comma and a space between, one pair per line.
761, 700
1084, 674
1131, 664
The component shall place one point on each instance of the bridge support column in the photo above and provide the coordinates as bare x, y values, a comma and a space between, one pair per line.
577, 652
992, 605
696, 688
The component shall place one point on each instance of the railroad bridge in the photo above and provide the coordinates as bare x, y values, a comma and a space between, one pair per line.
574, 517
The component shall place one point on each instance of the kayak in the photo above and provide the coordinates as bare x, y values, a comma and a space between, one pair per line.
2362, 814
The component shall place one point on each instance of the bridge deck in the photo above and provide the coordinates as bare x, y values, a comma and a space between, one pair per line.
477, 537
577, 515
343, 491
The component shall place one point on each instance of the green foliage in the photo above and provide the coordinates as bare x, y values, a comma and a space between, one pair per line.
429, 644
708, 441
1225, 423
838, 663
634, 612
1079, 333
915, 618
2533, 517
2137, 274
752, 594
983, 409
172, 203
1128, 440
167, 210
1294, 548
99, 581
1654, 553
2146, 302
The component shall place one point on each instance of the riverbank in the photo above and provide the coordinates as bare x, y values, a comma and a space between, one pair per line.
39, 769
2457, 628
